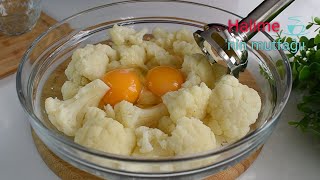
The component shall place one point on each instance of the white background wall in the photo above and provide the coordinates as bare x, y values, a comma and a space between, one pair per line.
304, 8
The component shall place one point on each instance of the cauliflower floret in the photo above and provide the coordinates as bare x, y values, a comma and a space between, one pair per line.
109, 111
197, 66
151, 143
182, 48
113, 65
113, 55
233, 107
119, 34
132, 116
166, 125
69, 89
163, 38
192, 80
191, 136
185, 43
180, 42
122, 35
187, 102
67, 116
88, 63
105, 134
160, 56
185, 35
132, 56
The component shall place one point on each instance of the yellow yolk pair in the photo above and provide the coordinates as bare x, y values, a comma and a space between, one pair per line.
125, 84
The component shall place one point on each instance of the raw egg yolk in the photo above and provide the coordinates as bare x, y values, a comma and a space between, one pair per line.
124, 85
163, 79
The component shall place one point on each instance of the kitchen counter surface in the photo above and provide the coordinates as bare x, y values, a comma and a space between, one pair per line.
288, 154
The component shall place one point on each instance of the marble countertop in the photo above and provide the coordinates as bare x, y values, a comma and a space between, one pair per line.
288, 154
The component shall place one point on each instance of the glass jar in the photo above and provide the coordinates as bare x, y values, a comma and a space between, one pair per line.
18, 16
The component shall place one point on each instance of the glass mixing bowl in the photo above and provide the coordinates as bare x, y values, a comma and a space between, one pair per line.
49, 53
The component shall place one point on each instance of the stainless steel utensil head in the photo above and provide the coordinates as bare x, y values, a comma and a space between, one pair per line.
228, 45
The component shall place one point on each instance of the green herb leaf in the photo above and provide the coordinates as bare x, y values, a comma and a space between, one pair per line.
315, 67
289, 40
304, 108
290, 55
317, 20
317, 55
304, 40
317, 39
304, 73
306, 77
309, 25
293, 123
311, 43
294, 70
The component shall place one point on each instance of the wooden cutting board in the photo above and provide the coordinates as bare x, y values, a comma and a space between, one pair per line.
12, 48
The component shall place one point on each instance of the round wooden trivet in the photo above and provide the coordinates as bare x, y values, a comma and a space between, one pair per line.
66, 171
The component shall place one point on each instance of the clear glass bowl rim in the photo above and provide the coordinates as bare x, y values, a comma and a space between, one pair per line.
70, 143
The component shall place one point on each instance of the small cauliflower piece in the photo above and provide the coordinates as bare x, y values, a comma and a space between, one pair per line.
185, 35
160, 56
88, 63
67, 116
151, 143
166, 125
221, 141
105, 134
69, 89
187, 102
192, 80
180, 42
191, 136
113, 65
132, 56
185, 43
233, 107
132, 116
113, 55
138, 37
163, 38
198, 66
121, 35
182, 48
109, 111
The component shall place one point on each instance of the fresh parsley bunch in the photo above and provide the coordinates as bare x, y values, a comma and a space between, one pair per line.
306, 76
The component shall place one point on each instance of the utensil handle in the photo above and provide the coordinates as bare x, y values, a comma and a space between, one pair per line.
264, 13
